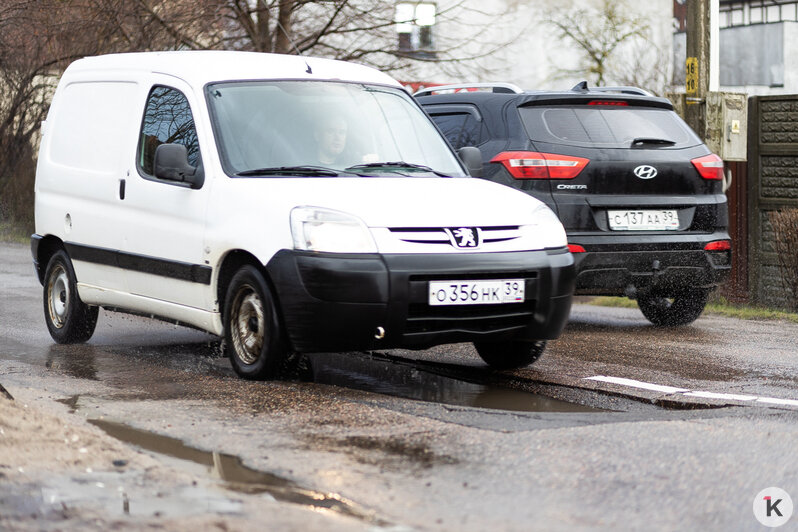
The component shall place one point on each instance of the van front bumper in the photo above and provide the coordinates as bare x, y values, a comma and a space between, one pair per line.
338, 302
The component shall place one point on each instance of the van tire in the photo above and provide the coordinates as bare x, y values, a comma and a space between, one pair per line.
682, 309
69, 320
253, 338
510, 355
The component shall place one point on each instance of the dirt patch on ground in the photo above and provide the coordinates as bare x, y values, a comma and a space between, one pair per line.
58, 472
33, 442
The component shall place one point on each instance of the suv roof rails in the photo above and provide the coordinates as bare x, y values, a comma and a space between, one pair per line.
507, 88
621, 89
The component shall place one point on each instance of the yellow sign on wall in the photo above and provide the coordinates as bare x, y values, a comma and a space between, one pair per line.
691, 69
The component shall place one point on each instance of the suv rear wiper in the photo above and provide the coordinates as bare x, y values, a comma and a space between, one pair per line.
397, 165
308, 171
651, 140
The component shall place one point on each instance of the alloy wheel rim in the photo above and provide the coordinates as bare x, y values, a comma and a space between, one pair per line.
247, 325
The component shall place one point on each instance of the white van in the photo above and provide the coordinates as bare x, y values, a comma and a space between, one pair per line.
288, 204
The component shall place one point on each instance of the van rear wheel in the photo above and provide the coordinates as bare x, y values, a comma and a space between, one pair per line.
253, 339
681, 309
510, 355
69, 319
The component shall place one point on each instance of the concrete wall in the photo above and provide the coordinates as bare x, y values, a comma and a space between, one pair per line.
773, 185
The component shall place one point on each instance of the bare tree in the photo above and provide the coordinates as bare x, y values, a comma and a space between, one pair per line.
350, 30
38, 38
27, 61
645, 65
597, 32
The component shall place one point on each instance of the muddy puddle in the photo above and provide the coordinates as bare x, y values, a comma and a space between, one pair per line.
160, 370
232, 473
390, 377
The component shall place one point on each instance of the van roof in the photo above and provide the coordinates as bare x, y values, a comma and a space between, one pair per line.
199, 67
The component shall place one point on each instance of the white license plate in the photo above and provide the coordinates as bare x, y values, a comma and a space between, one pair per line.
476, 292
648, 220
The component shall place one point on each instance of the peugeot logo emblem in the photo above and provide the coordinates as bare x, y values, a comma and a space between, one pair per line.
464, 237
645, 171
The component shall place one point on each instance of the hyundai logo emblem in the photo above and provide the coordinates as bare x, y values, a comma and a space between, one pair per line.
465, 237
645, 171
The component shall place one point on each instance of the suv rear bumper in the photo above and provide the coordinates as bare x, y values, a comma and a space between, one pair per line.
334, 302
669, 263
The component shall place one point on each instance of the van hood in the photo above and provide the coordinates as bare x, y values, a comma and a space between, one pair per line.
420, 202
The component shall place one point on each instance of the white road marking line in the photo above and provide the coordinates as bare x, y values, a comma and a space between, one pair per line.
637, 384
775, 401
671, 390
730, 396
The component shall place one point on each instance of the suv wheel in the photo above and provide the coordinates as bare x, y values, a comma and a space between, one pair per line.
673, 311
510, 355
253, 339
69, 319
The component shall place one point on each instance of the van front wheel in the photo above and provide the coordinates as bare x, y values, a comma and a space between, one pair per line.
510, 355
253, 340
69, 319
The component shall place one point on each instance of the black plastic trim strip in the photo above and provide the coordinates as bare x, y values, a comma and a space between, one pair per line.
184, 271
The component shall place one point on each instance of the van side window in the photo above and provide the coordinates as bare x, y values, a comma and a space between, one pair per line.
167, 119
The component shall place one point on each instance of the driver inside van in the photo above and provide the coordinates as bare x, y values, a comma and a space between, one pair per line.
330, 134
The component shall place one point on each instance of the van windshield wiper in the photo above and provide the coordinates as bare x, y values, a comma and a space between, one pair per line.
396, 165
305, 171
640, 141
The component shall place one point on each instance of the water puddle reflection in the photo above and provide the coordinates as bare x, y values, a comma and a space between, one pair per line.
389, 377
236, 476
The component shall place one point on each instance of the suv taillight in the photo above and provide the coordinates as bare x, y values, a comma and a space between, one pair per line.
535, 165
709, 166
718, 245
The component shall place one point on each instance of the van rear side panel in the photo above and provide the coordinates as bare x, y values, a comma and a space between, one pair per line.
89, 136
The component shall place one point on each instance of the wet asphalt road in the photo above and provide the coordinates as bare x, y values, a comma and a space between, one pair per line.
433, 441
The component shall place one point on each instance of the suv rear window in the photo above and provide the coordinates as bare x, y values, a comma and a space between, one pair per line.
606, 127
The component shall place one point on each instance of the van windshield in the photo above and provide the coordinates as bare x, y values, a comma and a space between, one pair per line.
324, 129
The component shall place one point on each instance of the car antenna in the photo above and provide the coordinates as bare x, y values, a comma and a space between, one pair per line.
287, 36
581, 86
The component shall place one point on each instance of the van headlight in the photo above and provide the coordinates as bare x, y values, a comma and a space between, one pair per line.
318, 229
547, 230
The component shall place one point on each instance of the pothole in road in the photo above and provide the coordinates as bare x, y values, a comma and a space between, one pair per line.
235, 476
390, 377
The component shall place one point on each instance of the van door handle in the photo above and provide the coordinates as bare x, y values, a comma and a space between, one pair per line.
121, 189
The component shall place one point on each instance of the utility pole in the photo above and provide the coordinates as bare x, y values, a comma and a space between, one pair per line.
719, 118
698, 64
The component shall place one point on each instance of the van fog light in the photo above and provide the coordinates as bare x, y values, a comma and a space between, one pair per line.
379, 334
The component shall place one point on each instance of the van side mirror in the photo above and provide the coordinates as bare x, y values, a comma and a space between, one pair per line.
472, 159
171, 164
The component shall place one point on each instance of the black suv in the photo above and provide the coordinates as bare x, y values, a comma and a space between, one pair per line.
641, 197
